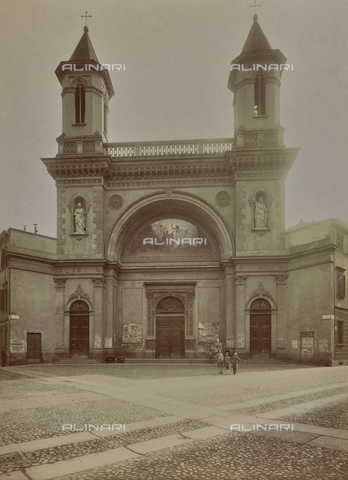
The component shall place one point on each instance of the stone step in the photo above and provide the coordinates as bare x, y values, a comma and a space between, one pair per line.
85, 361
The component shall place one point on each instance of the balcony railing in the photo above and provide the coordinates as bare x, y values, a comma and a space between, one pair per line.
169, 148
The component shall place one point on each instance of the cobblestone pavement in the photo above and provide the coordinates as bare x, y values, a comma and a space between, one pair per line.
66, 452
232, 456
12, 386
135, 394
45, 422
268, 407
334, 415
254, 385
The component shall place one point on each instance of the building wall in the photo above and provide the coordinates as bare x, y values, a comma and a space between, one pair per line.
310, 306
32, 311
341, 310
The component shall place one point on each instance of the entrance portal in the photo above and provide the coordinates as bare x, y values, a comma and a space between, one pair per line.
79, 329
170, 328
34, 347
260, 329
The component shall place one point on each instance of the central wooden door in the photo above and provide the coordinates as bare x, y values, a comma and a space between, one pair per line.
170, 329
79, 329
170, 337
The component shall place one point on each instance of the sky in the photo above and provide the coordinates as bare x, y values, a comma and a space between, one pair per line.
177, 55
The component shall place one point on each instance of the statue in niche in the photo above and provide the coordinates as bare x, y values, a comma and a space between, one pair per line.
80, 220
261, 213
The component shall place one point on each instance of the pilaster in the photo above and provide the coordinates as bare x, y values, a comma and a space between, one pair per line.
281, 311
99, 316
110, 290
228, 333
240, 313
61, 342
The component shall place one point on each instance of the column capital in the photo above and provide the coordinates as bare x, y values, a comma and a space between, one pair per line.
60, 282
241, 280
281, 279
99, 282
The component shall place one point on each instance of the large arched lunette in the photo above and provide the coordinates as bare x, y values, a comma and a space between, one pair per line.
180, 202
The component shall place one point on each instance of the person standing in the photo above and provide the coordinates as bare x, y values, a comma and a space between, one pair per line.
220, 361
235, 361
3, 357
227, 362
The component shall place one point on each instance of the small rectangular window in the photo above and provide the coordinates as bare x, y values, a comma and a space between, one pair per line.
339, 243
259, 96
2, 260
341, 283
2, 301
80, 104
340, 332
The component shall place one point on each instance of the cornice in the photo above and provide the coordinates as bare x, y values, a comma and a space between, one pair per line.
76, 167
262, 159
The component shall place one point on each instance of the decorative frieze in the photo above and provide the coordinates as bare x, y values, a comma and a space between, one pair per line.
168, 170
79, 181
173, 182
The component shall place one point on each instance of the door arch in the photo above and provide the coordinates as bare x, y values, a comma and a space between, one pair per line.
79, 329
170, 328
260, 328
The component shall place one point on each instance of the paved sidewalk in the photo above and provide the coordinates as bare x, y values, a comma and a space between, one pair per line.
181, 426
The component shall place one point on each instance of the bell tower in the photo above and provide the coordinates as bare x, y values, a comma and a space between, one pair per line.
81, 163
86, 91
255, 82
259, 157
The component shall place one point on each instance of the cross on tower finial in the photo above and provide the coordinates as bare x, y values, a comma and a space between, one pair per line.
86, 16
251, 6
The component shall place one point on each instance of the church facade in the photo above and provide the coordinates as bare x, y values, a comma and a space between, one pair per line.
169, 249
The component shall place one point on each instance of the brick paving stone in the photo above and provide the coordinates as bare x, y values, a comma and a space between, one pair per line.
332, 415
231, 456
